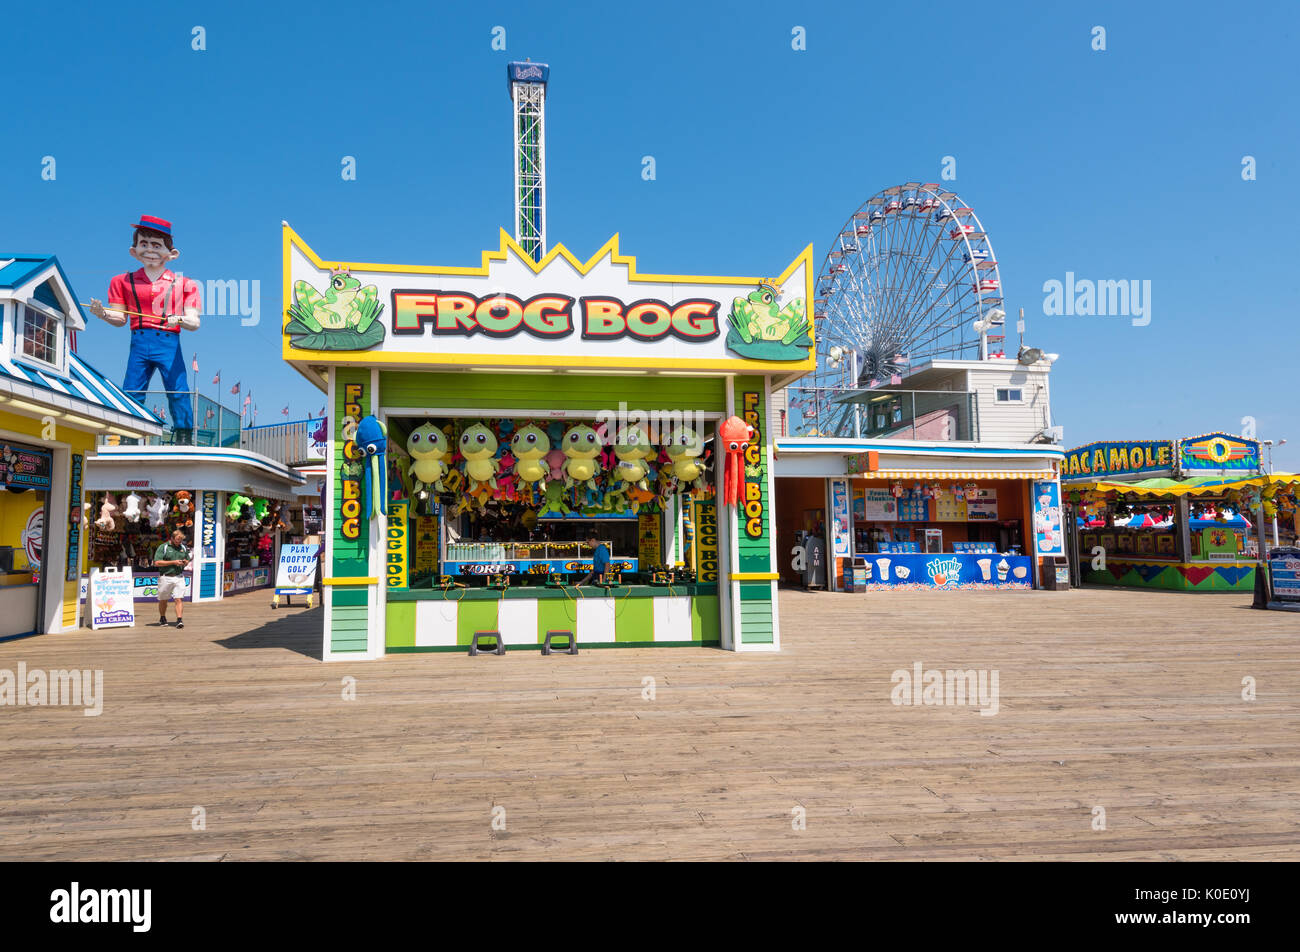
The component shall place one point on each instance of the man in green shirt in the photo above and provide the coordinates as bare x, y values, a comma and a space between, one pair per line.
170, 559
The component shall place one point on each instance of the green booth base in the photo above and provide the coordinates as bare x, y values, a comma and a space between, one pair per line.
635, 616
1173, 576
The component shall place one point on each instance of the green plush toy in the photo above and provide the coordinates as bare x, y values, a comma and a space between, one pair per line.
236, 507
555, 500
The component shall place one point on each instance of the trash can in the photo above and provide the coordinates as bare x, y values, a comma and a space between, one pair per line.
859, 572
1054, 573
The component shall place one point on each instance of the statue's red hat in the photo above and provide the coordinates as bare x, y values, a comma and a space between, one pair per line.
154, 224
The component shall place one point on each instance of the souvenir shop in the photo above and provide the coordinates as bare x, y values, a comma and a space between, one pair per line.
910, 515
488, 420
53, 406
1184, 515
233, 505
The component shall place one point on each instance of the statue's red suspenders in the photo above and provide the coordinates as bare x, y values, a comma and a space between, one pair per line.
137, 322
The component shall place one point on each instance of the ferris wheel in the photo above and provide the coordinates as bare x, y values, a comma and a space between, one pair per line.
911, 276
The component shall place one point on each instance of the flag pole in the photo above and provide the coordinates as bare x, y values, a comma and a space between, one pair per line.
194, 401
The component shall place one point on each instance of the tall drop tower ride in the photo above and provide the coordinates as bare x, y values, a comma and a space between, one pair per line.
528, 95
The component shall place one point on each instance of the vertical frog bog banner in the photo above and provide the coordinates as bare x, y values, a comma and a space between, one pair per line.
296, 572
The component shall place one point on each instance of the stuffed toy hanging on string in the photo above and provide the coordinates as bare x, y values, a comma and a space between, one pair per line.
372, 439
734, 435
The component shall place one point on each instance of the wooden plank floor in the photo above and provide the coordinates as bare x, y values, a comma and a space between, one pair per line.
1128, 700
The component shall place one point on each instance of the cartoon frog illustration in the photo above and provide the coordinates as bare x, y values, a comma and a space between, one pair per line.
479, 447
581, 445
427, 446
343, 318
761, 330
757, 317
530, 446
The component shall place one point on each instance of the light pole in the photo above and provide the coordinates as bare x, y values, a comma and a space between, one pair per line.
1270, 444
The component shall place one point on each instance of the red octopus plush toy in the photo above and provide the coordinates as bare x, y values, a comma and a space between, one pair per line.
733, 436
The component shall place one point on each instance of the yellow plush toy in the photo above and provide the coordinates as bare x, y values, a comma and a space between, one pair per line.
479, 447
581, 445
530, 446
684, 452
428, 449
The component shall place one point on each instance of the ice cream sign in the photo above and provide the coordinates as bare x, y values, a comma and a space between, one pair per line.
943, 572
510, 310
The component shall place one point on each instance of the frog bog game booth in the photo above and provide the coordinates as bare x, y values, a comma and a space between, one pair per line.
489, 418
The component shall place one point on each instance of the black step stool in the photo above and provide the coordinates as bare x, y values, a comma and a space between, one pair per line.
564, 633
473, 645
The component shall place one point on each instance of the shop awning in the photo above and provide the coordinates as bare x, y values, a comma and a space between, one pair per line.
960, 474
1194, 486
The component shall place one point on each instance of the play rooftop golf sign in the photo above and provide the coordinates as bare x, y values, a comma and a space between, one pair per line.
562, 311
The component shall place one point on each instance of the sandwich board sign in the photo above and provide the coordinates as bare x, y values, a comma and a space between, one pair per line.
112, 598
295, 573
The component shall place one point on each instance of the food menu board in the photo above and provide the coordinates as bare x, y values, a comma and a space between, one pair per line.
874, 505
914, 508
948, 508
981, 505
24, 468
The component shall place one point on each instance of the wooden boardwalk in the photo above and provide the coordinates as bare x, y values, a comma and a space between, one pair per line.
1126, 700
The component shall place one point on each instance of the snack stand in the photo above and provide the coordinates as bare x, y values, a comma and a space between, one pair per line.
922, 516
444, 520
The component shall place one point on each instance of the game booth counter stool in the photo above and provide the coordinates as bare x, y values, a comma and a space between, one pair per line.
487, 419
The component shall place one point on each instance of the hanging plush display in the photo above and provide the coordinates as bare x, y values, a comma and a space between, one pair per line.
235, 507
372, 439
581, 445
531, 446
479, 447
685, 455
428, 449
133, 512
633, 451
183, 508
108, 513
733, 436
157, 510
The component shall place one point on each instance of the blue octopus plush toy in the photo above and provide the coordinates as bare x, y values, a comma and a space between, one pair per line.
372, 439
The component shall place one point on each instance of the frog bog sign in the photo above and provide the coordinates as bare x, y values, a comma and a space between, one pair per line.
512, 311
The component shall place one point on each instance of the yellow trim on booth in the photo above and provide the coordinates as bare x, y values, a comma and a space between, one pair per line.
1128, 489
350, 581
754, 576
508, 246
955, 474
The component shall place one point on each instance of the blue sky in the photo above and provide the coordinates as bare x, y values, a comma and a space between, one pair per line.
1117, 164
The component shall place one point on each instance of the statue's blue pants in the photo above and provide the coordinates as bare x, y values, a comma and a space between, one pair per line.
161, 351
